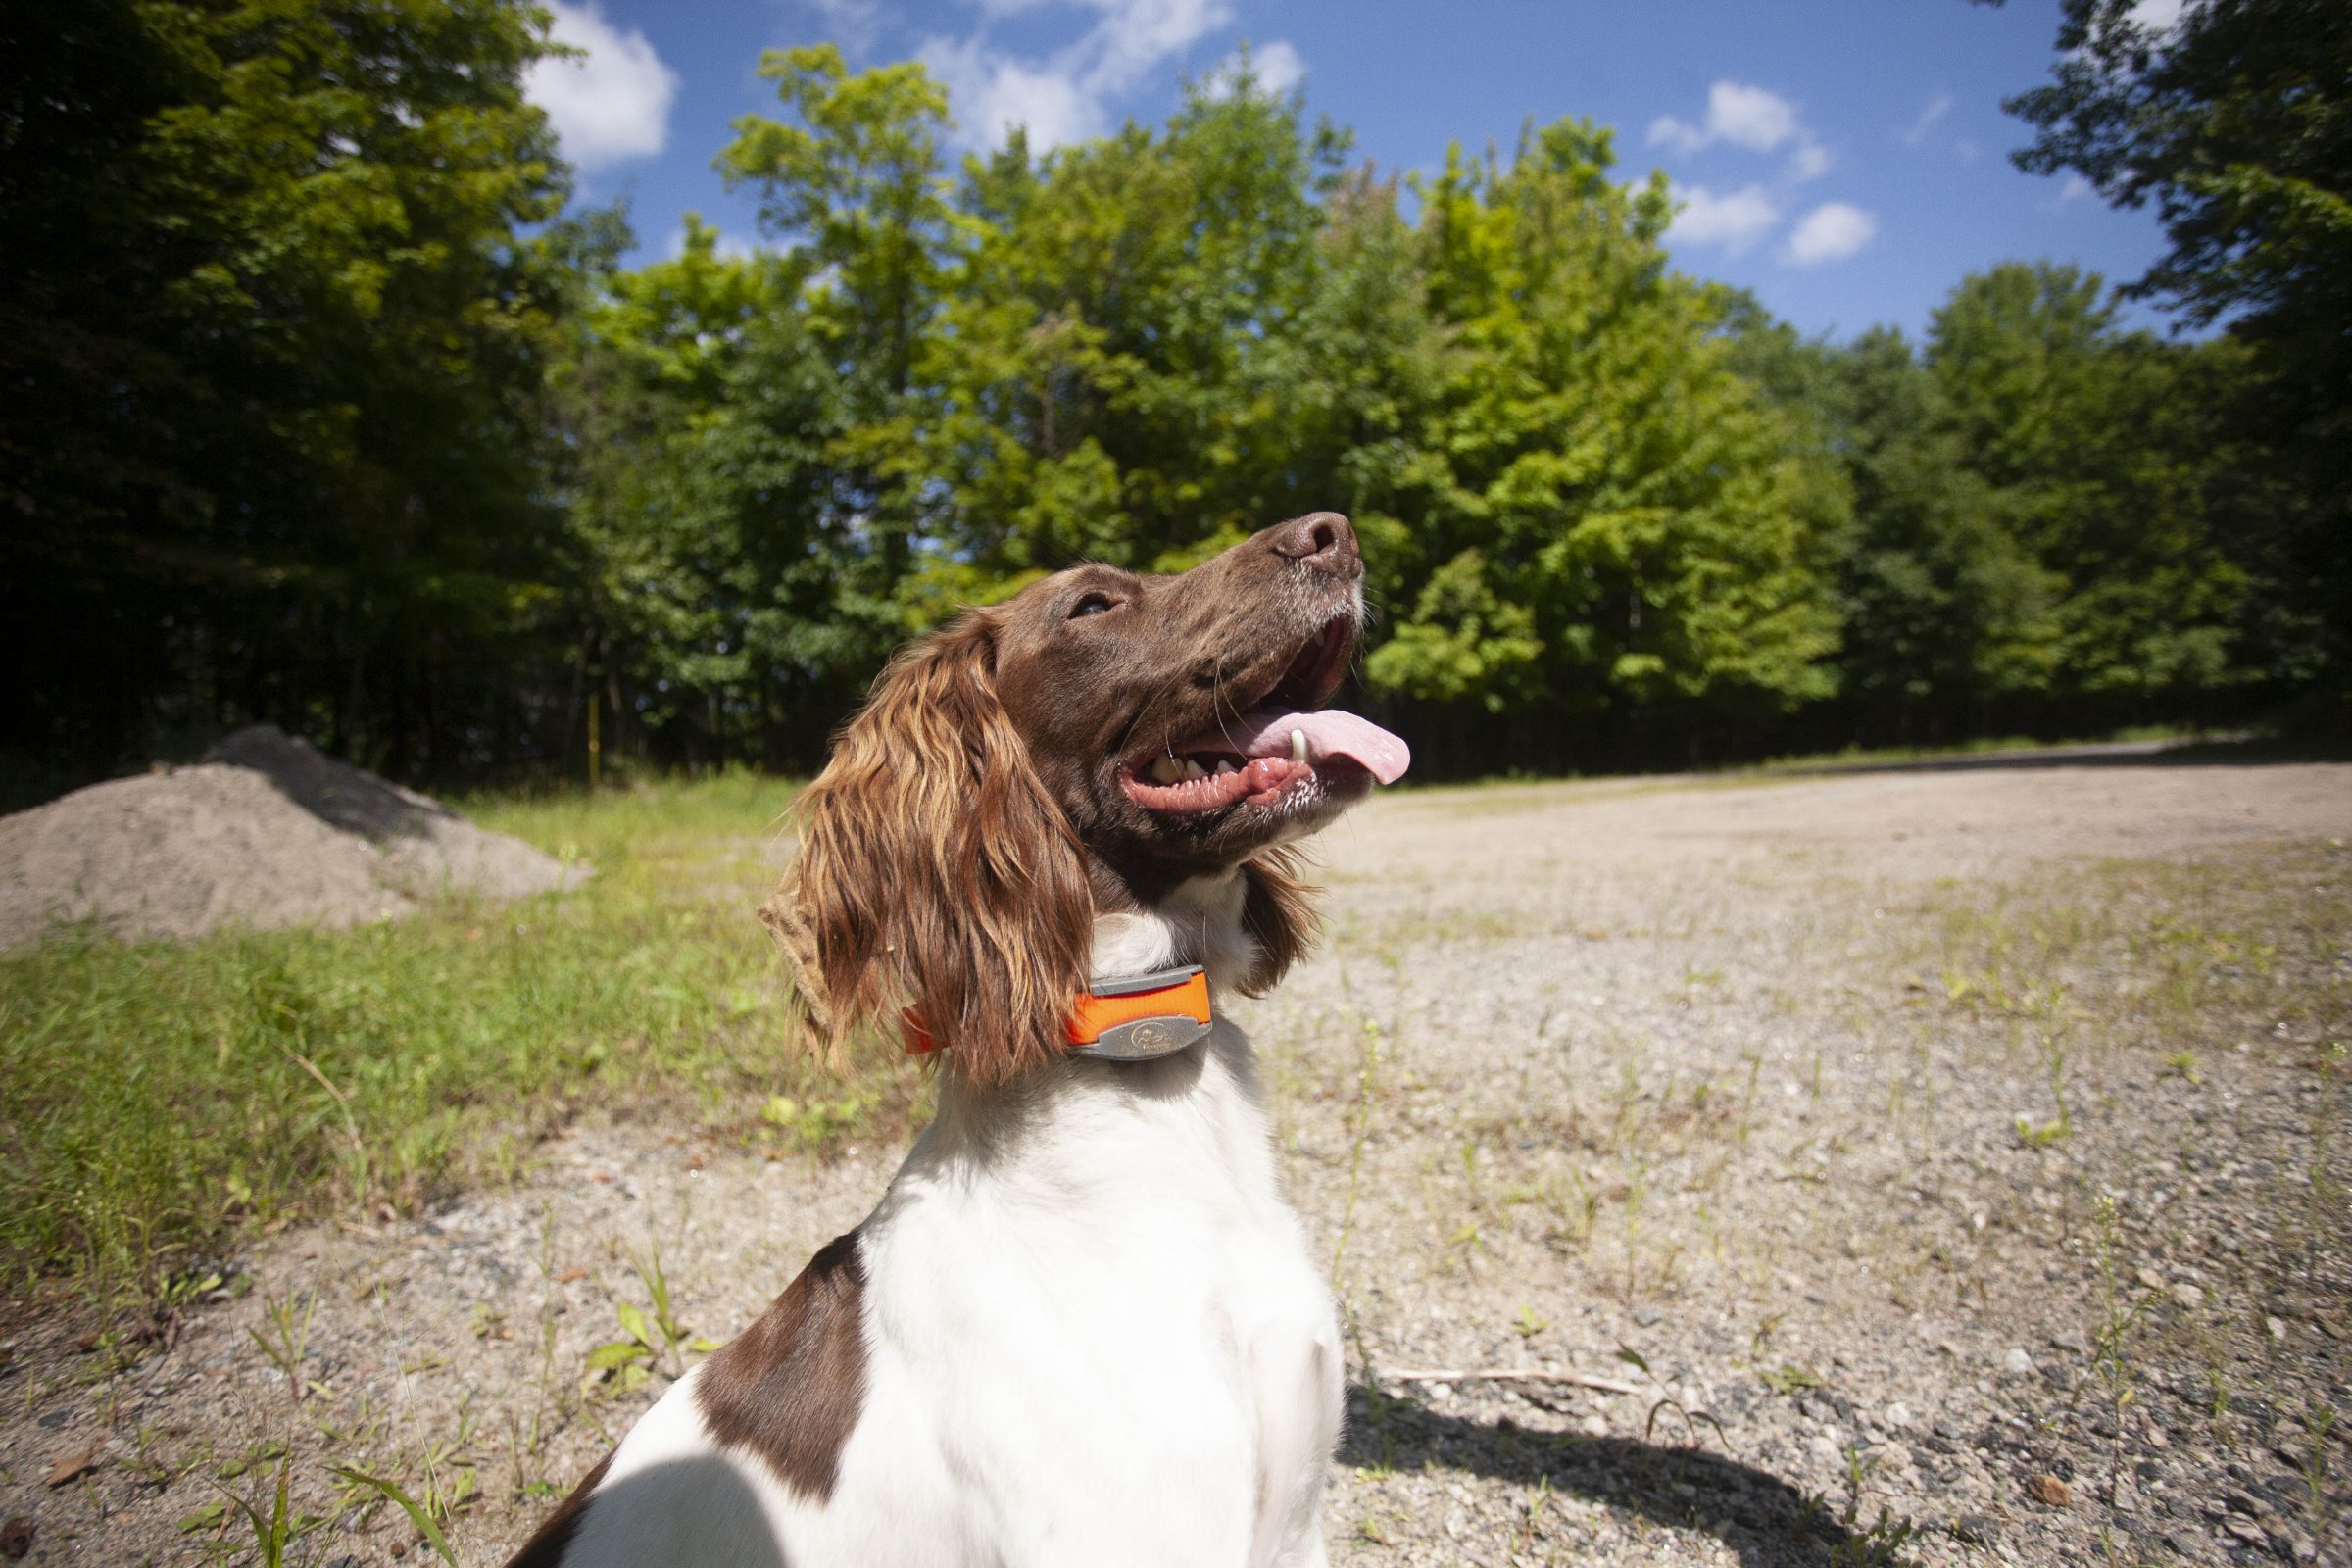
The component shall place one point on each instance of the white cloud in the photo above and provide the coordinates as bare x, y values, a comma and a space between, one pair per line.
1277, 65
2158, 15
1734, 220
1743, 115
1751, 117
989, 93
610, 106
855, 24
1938, 106
1830, 232
1066, 97
2074, 190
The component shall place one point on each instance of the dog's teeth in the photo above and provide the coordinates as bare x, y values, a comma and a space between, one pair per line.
1194, 770
1166, 769
1225, 766
1299, 747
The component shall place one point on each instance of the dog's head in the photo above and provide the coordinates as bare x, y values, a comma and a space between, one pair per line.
1094, 742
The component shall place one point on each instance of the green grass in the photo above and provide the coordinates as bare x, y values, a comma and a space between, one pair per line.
163, 1099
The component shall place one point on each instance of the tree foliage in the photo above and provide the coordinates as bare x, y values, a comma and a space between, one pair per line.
328, 416
273, 347
2235, 121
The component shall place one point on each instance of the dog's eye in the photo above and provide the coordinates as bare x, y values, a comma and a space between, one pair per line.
1092, 604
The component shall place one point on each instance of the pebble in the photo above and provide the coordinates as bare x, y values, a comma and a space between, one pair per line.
1898, 1415
2189, 1295
2017, 1363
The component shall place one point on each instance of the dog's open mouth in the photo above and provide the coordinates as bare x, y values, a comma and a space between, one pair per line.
1281, 742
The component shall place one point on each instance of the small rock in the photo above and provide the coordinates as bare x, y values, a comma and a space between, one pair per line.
2189, 1295
2245, 1529
2071, 1339
1648, 1317
2017, 1363
1596, 1426
1898, 1415
73, 1466
16, 1536
2277, 1328
1441, 1391
2050, 1491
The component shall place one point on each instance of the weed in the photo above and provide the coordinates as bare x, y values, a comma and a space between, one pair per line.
419, 1515
1525, 1537
1791, 1379
2040, 1134
651, 1342
274, 1533
286, 1336
2109, 1362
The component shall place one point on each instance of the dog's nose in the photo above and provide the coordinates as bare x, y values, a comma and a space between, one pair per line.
1324, 540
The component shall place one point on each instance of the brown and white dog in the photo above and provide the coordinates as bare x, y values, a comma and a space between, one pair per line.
1081, 1328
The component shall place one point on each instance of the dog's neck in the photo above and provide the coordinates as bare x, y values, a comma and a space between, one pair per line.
1191, 1123
1197, 921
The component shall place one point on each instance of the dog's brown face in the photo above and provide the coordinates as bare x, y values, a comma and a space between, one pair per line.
1174, 720
1099, 737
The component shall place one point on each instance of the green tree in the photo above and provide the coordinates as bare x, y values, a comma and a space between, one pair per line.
2102, 455
272, 344
1946, 612
2235, 121
855, 184
1120, 370
700, 409
1619, 527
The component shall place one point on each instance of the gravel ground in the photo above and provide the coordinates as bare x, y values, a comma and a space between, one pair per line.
1932, 1165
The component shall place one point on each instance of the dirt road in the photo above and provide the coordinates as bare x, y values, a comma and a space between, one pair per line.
1936, 1165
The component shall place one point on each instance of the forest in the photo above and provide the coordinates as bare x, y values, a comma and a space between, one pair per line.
327, 405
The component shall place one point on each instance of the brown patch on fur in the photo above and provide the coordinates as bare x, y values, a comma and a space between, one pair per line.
791, 1386
1279, 914
936, 868
544, 1548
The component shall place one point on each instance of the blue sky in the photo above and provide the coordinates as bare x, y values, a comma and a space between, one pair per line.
1844, 159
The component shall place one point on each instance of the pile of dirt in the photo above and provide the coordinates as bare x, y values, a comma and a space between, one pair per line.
263, 832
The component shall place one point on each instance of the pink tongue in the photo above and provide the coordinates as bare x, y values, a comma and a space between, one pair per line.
1329, 733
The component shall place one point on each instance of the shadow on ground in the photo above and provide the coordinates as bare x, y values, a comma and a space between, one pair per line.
1765, 1521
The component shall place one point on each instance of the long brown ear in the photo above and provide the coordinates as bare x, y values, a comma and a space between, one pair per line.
934, 868
1279, 914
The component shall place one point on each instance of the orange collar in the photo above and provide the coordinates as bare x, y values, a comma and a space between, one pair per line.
1141, 1019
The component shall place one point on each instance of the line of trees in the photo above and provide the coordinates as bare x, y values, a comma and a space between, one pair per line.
320, 409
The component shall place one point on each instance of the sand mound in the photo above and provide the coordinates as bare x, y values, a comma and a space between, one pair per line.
265, 832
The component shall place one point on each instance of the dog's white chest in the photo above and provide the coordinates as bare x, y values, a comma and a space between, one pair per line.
1130, 1296
1098, 1338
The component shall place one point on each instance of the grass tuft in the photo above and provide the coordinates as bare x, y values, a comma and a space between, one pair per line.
161, 1100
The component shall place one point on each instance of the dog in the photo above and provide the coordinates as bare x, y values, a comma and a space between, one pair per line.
1081, 1327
